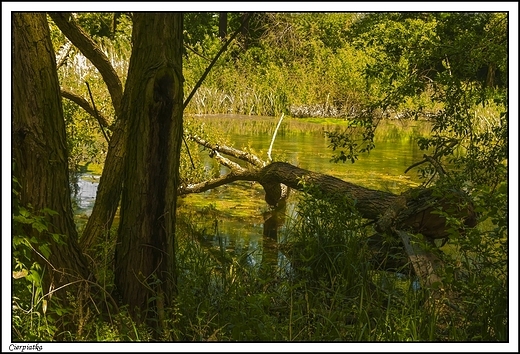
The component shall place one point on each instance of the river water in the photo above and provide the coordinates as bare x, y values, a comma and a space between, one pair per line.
232, 217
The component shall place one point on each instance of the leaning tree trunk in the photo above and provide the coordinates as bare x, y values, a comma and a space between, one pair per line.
152, 106
39, 148
109, 189
110, 184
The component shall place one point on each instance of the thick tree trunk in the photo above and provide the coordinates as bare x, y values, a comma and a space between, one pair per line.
152, 106
109, 189
110, 185
39, 147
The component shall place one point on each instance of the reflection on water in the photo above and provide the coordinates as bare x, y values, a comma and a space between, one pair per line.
87, 189
244, 225
383, 168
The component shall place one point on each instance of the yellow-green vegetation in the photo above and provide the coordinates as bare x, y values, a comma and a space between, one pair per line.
395, 88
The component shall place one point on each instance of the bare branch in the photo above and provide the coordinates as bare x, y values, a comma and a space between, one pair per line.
83, 103
197, 53
274, 137
226, 162
67, 49
233, 176
66, 23
415, 165
436, 164
239, 154
97, 114
208, 69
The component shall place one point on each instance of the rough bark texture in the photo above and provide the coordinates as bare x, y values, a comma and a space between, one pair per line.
109, 189
370, 203
152, 107
39, 145
110, 184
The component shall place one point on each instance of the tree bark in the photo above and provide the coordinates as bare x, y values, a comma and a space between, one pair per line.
152, 106
67, 24
109, 188
39, 148
222, 25
245, 29
110, 184
415, 210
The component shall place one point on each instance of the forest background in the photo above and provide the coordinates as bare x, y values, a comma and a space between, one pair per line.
310, 98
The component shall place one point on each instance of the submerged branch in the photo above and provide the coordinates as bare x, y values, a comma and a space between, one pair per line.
413, 210
239, 154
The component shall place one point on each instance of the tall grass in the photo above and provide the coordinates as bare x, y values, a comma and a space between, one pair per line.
328, 292
323, 288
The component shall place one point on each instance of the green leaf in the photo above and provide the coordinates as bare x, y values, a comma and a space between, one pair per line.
24, 212
58, 238
49, 211
22, 219
39, 226
45, 250
34, 276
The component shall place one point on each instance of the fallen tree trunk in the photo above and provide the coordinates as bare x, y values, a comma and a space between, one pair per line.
415, 211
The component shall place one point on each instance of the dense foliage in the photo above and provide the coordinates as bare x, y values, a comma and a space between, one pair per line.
448, 68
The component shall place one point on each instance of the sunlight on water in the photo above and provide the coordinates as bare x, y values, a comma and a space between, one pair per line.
87, 189
239, 209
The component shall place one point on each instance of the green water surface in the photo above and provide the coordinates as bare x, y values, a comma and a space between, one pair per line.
232, 216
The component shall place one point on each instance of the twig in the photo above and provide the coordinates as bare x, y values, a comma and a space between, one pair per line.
97, 114
83, 103
415, 165
222, 50
197, 53
197, 85
436, 164
272, 140
188, 151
